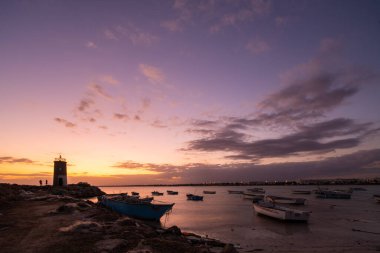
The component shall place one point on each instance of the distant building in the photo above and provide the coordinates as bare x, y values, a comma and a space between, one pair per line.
60, 172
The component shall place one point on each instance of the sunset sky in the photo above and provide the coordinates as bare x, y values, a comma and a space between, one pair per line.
141, 92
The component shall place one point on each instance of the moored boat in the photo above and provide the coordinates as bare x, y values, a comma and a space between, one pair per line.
209, 192
377, 198
304, 192
257, 190
135, 193
279, 212
285, 200
156, 193
252, 196
333, 194
135, 207
172, 192
194, 197
235, 192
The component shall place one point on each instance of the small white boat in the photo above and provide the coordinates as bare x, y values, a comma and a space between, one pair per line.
285, 200
252, 196
279, 212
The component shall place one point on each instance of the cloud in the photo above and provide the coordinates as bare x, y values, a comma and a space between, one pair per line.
110, 34
10, 159
109, 80
136, 35
64, 122
153, 74
174, 25
90, 44
359, 164
99, 90
158, 124
121, 116
322, 137
257, 46
85, 104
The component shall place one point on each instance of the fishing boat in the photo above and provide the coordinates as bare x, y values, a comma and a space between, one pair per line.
279, 212
333, 195
377, 198
235, 192
285, 200
252, 196
303, 192
172, 192
156, 193
135, 207
257, 190
209, 192
135, 193
194, 197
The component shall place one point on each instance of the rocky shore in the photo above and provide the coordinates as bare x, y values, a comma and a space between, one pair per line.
47, 219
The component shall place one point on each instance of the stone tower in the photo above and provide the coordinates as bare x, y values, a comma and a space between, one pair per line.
60, 172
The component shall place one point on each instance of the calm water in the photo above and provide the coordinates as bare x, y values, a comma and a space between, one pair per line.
230, 218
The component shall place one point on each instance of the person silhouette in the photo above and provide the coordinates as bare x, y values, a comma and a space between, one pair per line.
46, 182
40, 182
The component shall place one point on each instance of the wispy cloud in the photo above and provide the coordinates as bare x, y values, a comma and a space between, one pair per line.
109, 34
10, 159
121, 116
99, 90
257, 46
136, 35
64, 122
108, 79
90, 44
153, 74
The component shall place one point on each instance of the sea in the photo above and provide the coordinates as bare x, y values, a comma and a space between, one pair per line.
335, 225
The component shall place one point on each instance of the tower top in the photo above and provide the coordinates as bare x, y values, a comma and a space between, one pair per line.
60, 159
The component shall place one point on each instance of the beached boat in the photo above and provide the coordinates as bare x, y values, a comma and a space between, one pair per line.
209, 192
285, 200
333, 194
256, 190
134, 207
194, 197
304, 192
235, 192
135, 193
156, 193
172, 192
279, 212
377, 198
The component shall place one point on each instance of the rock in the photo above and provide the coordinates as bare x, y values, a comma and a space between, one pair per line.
229, 248
82, 227
67, 208
125, 221
174, 230
109, 244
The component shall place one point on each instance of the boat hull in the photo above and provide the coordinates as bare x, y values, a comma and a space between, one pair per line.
141, 210
281, 213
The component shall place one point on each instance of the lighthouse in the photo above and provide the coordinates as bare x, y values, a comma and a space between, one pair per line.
60, 172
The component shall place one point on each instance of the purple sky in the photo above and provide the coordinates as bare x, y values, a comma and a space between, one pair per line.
188, 91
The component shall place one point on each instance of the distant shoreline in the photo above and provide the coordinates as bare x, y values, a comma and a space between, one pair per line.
375, 181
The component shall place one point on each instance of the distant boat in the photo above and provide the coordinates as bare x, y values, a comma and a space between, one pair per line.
194, 197
358, 189
156, 193
279, 212
135, 193
377, 198
172, 192
252, 196
235, 192
323, 194
134, 207
285, 200
209, 192
304, 192
257, 190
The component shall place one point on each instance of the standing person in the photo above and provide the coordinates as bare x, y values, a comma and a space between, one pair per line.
46, 182
40, 182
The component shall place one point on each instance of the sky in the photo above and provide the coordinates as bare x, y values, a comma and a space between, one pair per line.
168, 92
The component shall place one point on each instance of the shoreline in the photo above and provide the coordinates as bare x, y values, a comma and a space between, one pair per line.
38, 221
